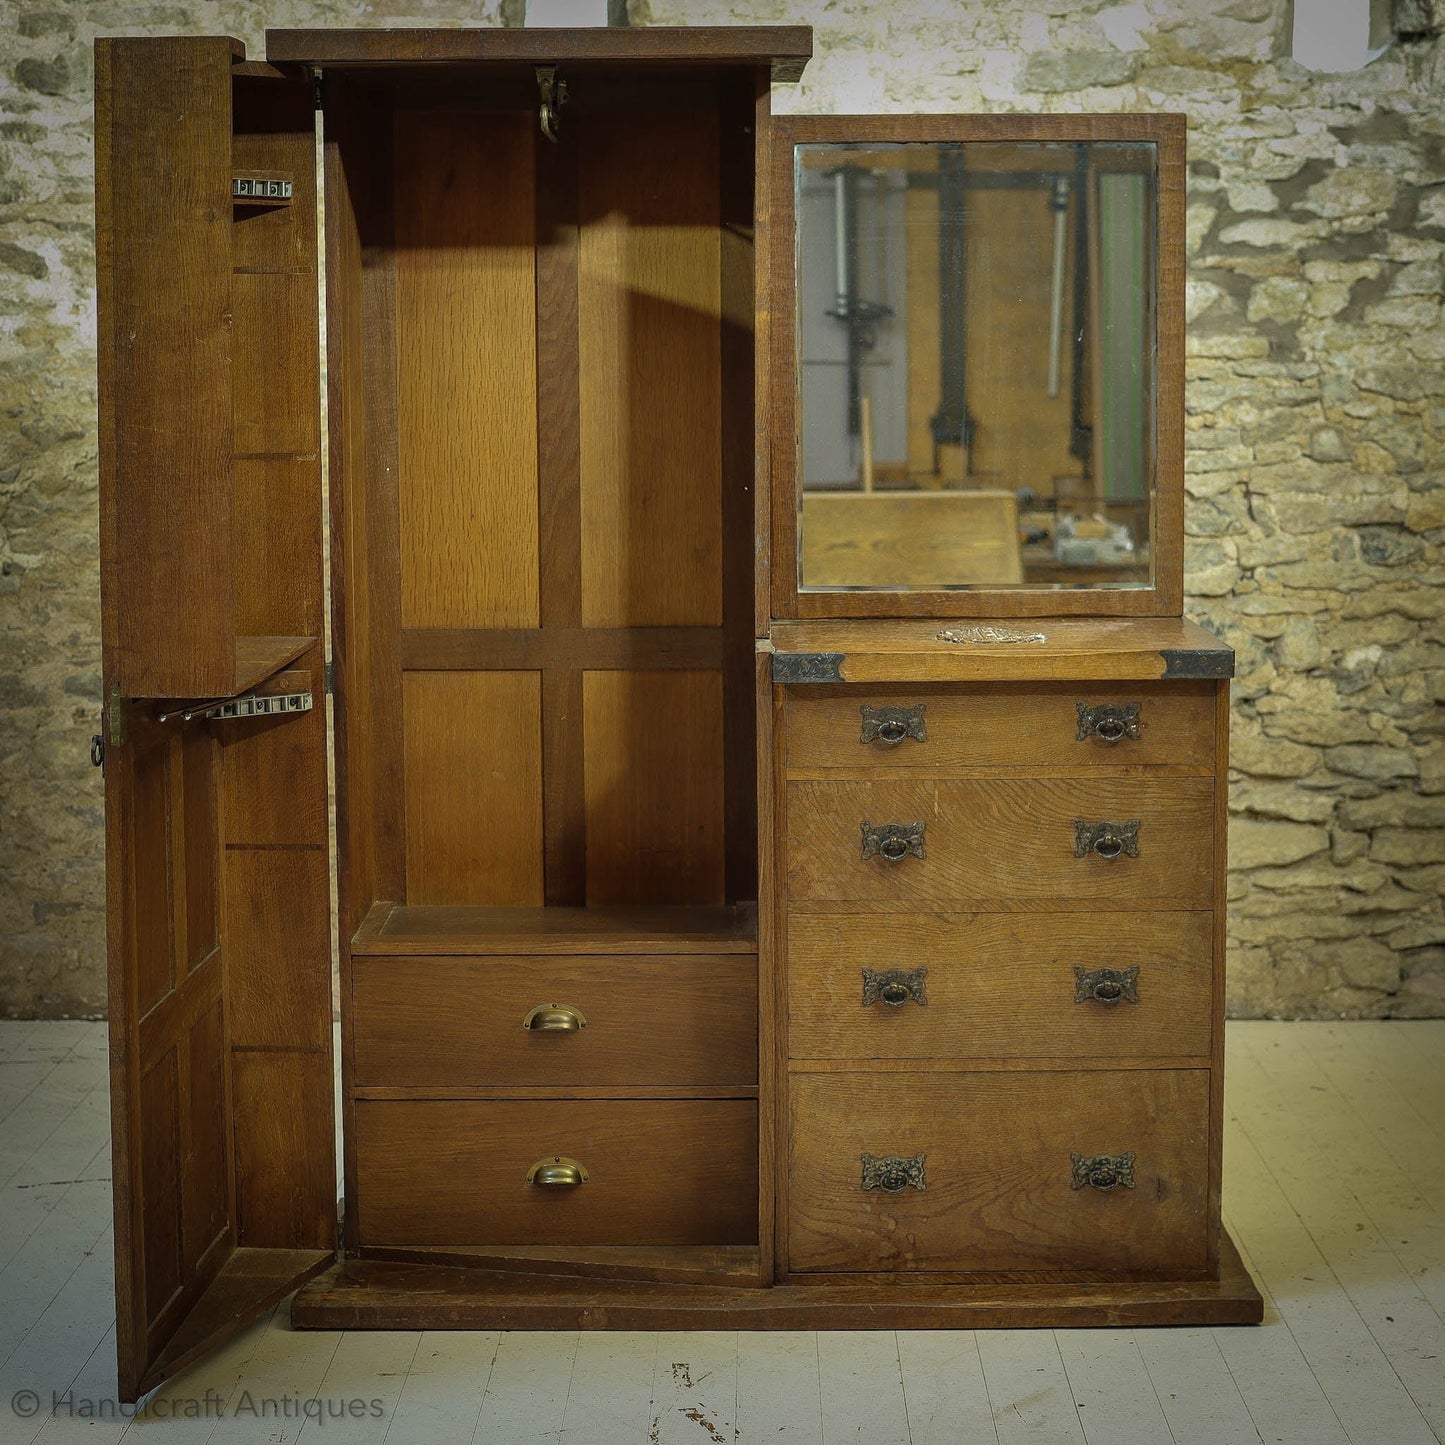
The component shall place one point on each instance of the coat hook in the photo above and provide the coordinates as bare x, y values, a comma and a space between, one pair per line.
554, 97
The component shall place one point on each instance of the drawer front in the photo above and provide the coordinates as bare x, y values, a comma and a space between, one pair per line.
1002, 986
1003, 725
658, 1172
1004, 843
1004, 1161
687, 1019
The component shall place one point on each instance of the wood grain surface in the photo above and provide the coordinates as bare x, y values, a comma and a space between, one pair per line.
997, 1173
1005, 844
650, 1019
466, 368
661, 1172
999, 985
1010, 726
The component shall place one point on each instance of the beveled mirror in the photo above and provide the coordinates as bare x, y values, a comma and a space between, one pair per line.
979, 384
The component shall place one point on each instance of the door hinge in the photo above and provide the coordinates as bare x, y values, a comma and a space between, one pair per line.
330, 677
316, 86
115, 718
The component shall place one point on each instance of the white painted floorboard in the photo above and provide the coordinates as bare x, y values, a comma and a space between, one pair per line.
1334, 1188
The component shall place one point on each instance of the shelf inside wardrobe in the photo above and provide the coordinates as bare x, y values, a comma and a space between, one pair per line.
436, 929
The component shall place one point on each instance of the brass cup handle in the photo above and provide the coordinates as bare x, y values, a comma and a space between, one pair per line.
554, 1018
557, 1172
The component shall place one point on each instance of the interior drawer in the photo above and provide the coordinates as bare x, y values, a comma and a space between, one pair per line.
993, 1169
995, 985
1011, 843
684, 1019
667, 1172
1016, 725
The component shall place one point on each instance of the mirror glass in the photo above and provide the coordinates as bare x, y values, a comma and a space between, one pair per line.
976, 364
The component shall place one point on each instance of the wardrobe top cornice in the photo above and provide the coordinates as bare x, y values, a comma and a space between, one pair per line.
787, 48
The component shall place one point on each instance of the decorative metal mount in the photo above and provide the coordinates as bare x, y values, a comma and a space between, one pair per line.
553, 96
892, 1173
1197, 662
892, 842
1102, 1171
271, 704
1108, 721
1106, 840
894, 986
989, 635
1106, 985
793, 667
891, 724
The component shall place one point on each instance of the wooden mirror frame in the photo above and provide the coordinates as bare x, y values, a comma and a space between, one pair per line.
1165, 597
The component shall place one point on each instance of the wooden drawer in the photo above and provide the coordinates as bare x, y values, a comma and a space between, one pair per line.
1003, 843
653, 1019
659, 1172
1002, 725
997, 1160
998, 986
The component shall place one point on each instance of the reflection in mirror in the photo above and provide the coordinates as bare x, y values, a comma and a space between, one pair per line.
976, 343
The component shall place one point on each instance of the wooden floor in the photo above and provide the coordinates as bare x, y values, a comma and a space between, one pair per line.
1335, 1189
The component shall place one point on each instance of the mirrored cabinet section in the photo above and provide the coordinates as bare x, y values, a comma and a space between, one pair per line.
975, 348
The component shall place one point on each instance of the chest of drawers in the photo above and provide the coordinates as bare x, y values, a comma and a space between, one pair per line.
780, 809
1000, 950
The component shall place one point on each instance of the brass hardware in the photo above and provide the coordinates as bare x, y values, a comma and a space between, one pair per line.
97, 751
893, 1173
558, 1172
1106, 985
894, 987
890, 725
988, 635
1102, 1171
115, 719
1109, 722
553, 93
1106, 840
554, 1018
892, 842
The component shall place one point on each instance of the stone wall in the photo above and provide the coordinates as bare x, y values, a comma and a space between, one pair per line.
1316, 407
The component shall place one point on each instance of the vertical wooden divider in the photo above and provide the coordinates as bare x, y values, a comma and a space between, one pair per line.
735, 329
559, 509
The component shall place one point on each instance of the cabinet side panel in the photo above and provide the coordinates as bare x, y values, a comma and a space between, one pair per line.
163, 134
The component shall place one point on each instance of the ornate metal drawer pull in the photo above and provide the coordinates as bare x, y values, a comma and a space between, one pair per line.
1106, 840
1106, 985
890, 725
557, 1172
892, 841
1110, 722
894, 987
548, 1018
1102, 1171
893, 1173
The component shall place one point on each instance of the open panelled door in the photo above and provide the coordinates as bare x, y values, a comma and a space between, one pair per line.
218, 892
